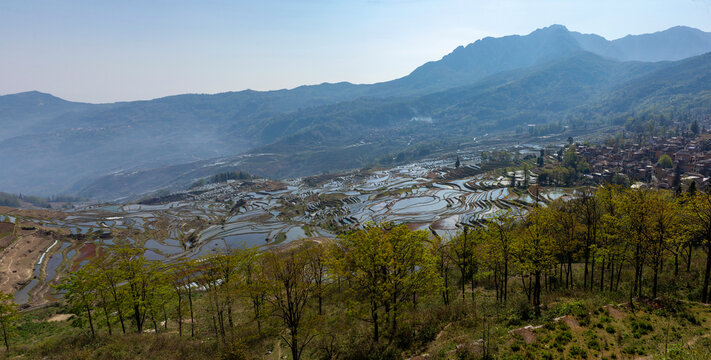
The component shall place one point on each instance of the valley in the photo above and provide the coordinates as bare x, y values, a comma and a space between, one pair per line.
537, 196
215, 218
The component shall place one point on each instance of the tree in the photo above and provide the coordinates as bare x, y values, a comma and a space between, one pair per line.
386, 265
635, 227
535, 250
179, 275
665, 161
695, 127
255, 285
462, 247
499, 237
699, 207
81, 295
589, 212
362, 263
411, 269
664, 222
691, 190
132, 264
611, 239
109, 277
457, 163
317, 264
566, 234
8, 314
440, 250
219, 277
291, 287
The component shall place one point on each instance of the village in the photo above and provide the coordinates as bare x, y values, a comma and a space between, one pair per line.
661, 162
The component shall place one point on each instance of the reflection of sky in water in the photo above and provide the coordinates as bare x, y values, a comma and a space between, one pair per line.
419, 199
23, 295
246, 240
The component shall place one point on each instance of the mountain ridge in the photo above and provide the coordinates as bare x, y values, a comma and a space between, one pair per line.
72, 143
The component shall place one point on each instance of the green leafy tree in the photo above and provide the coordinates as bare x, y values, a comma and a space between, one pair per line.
499, 241
699, 226
463, 250
386, 265
8, 314
80, 294
535, 250
136, 281
665, 161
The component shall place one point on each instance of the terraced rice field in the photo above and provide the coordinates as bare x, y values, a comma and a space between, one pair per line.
209, 222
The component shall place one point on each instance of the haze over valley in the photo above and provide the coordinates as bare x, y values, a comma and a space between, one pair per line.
538, 192
105, 151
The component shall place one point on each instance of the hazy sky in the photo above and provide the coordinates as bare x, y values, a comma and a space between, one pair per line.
103, 51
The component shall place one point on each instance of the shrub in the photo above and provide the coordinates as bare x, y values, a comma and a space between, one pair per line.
577, 351
594, 344
641, 328
563, 338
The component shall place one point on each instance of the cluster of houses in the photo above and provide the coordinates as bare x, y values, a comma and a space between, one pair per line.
691, 161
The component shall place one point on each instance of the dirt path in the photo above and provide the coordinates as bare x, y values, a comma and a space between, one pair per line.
439, 335
614, 312
569, 320
693, 340
60, 317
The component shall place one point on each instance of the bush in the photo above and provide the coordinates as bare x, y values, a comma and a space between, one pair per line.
578, 352
523, 310
641, 328
574, 308
593, 344
563, 338
234, 351
468, 352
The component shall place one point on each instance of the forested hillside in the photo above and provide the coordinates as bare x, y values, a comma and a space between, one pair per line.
491, 84
613, 273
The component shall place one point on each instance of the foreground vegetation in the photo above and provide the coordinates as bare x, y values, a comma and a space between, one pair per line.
613, 273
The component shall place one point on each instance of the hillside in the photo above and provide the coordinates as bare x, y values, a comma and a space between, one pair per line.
676, 43
354, 134
683, 86
596, 273
491, 84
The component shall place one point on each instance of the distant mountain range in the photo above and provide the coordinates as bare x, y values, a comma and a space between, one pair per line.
107, 151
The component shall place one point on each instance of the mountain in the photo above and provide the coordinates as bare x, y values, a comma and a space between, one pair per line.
354, 134
488, 56
57, 146
676, 43
532, 95
683, 85
28, 112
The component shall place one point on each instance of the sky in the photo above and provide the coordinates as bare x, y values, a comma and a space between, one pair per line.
121, 50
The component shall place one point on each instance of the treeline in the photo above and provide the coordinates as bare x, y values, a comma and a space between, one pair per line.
569, 172
15, 200
546, 129
222, 177
384, 289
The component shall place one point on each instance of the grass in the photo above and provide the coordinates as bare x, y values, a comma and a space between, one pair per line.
665, 329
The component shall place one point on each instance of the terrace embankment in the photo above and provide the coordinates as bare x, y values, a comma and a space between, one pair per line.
17, 260
22, 248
